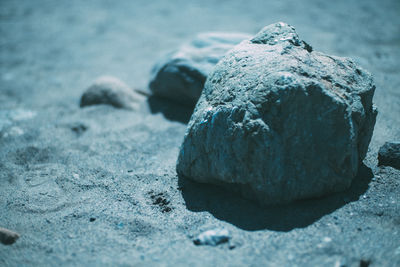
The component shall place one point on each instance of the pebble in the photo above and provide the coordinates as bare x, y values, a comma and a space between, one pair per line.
212, 237
8, 237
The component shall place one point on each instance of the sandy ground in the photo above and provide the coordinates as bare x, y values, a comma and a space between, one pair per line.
80, 185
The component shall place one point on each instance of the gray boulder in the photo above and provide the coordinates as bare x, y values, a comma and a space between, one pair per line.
180, 76
109, 90
279, 122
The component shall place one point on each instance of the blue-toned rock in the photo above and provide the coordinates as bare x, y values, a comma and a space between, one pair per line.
180, 76
8, 237
108, 90
389, 155
212, 237
278, 121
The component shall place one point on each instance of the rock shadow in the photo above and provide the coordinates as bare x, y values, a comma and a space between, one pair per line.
247, 215
171, 110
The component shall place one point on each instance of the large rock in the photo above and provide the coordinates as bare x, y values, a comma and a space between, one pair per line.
108, 90
280, 122
180, 76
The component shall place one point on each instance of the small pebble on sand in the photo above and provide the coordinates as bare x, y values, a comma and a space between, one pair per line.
8, 237
212, 237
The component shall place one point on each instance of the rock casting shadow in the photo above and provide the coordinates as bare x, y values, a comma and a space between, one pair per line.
247, 215
172, 111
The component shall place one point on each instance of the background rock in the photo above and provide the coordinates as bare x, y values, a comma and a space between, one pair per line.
279, 122
110, 91
180, 76
389, 154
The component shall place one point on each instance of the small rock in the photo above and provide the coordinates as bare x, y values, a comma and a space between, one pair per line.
327, 239
212, 237
365, 263
92, 219
389, 155
8, 237
78, 128
379, 213
279, 122
180, 76
110, 91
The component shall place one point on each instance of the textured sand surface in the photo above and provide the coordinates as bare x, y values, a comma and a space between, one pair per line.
98, 185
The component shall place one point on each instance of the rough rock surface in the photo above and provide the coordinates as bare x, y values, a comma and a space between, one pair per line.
279, 122
110, 91
180, 76
389, 155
